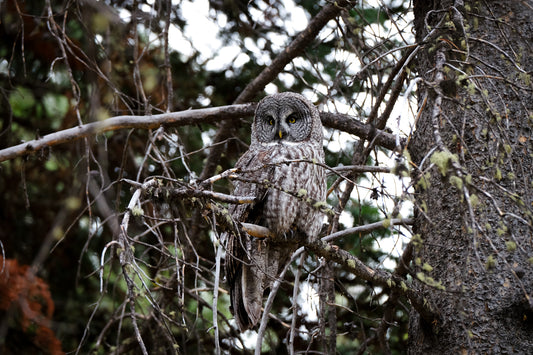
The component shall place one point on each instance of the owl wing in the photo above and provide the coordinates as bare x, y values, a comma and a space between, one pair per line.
246, 261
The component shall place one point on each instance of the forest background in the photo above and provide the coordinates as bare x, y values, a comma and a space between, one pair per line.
120, 120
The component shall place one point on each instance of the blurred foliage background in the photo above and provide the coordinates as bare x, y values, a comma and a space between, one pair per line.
67, 63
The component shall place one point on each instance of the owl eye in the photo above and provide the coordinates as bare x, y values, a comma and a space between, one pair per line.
271, 121
291, 119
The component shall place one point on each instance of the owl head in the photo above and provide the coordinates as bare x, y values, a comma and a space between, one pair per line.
286, 117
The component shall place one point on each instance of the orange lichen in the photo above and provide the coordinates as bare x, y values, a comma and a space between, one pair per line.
26, 300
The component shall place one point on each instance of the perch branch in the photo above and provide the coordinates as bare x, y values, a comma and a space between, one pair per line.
257, 231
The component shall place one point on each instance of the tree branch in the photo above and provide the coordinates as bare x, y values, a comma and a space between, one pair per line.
383, 278
218, 196
330, 252
351, 125
376, 276
346, 123
181, 118
360, 152
367, 228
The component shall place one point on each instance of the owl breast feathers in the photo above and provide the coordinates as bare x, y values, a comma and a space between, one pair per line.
280, 170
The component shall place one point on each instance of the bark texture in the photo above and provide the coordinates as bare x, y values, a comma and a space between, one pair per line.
473, 150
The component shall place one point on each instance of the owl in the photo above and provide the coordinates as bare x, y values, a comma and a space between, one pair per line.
279, 170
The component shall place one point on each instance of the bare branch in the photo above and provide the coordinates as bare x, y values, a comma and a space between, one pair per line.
351, 125
367, 228
346, 123
190, 192
376, 276
127, 259
182, 118
294, 49
257, 231
362, 169
268, 305
218, 259
356, 266
295, 305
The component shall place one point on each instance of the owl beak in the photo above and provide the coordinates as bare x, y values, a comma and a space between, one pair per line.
280, 134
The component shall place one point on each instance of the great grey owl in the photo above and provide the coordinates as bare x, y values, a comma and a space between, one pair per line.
280, 171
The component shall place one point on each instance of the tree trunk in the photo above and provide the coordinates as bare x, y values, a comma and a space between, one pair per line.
474, 157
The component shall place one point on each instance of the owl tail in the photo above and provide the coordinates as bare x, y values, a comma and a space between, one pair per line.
246, 298
247, 295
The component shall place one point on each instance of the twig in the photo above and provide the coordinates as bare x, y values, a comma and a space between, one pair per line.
102, 263
220, 176
268, 305
504, 53
295, 293
368, 228
131, 300
215, 293
362, 169
361, 153
53, 27
167, 66
126, 257
190, 192
389, 307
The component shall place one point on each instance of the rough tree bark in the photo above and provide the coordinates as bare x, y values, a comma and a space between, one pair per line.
474, 157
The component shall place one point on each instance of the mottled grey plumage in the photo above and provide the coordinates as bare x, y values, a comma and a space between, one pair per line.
286, 127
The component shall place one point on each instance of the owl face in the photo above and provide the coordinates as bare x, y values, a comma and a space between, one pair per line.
285, 117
